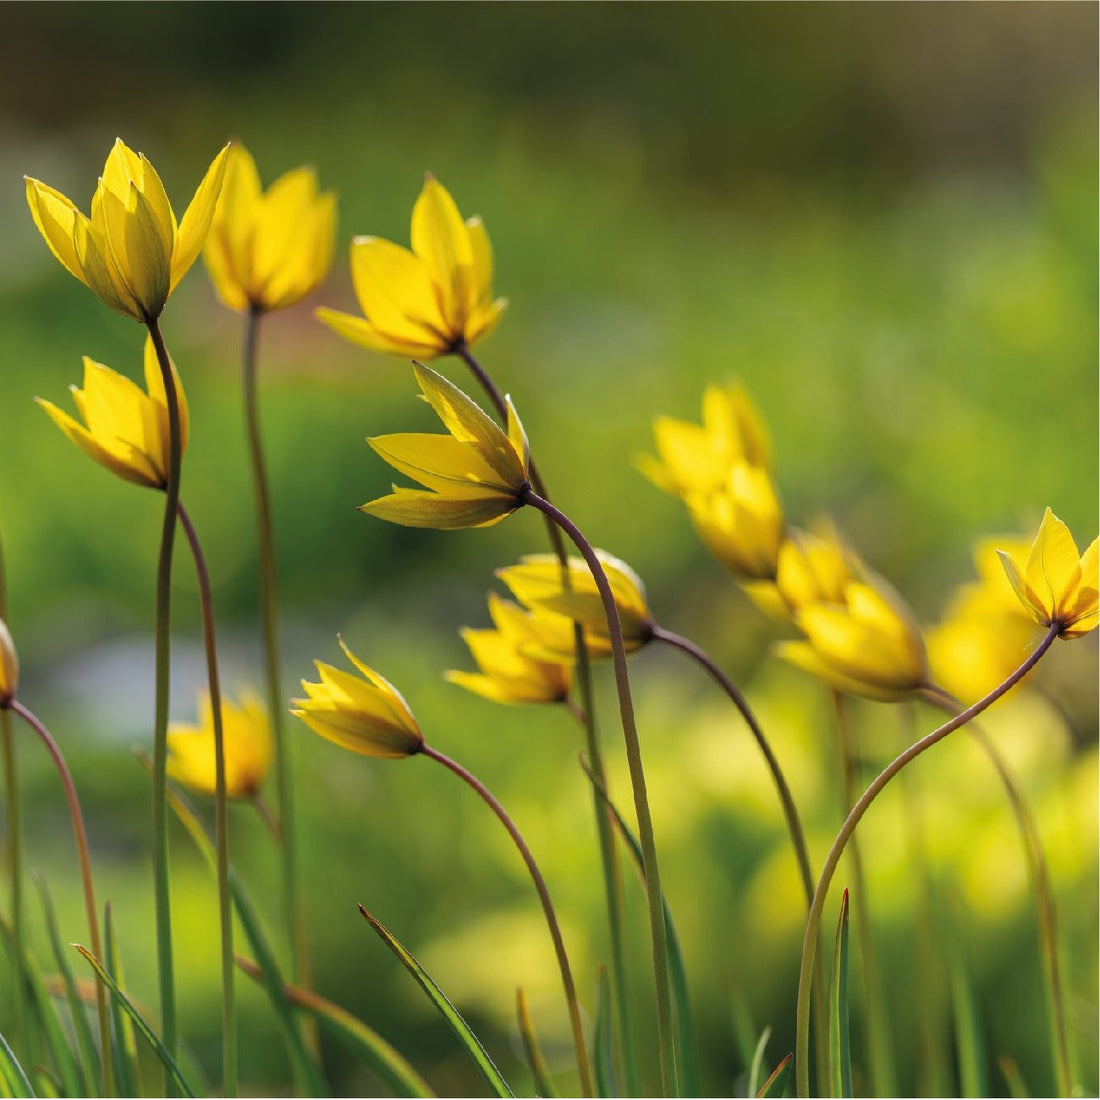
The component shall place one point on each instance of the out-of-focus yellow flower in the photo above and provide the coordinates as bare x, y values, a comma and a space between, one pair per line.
474, 477
864, 642
126, 428
266, 251
426, 302
246, 737
985, 632
9, 666
742, 522
368, 716
722, 472
1057, 585
537, 582
130, 252
696, 458
814, 566
508, 673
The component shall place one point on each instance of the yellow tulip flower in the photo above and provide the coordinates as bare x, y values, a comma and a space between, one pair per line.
368, 716
865, 642
474, 477
9, 666
742, 522
246, 737
125, 428
814, 567
509, 673
130, 252
1056, 584
266, 251
431, 300
537, 582
698, 459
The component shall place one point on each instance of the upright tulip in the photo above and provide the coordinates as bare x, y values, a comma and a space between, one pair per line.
131, 252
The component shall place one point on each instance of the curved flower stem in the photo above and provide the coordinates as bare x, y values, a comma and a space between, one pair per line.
1040, 879
14, 845
583, 1066
86, 874
790, 810
166, 978
293, 912
813, 923
880, 1056
654, 895
583, 675
221, 815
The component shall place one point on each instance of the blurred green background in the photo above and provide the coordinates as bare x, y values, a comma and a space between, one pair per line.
881, 218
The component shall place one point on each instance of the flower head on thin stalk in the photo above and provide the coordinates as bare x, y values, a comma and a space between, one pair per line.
985, 630
131, 252
510, 670
1056, 584
268, 249
365, 713
538, 583
860, 636
431, 300
722, 471
473, 477
9, 666
125, 428
246, 734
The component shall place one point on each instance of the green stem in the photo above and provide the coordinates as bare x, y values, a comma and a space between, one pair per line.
86, 874
14, 845
161, 887
221, 815
875, 1015
293, 912
583, 1066
1044, 892
654, 897
623, 1016
813, 922
790, 810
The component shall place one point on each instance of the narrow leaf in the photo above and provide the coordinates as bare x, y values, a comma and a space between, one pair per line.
1017, 1086
123, 1041
140, 1023
968, 1032
54, 1033
306, 1071
386, 1062
687, 1051
448, 1011
776, 1085
89, 1059
537, 1062
14, 1077
758, 1061
840, 1051
602, 1042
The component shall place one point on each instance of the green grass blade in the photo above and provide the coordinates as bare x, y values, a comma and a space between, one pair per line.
543, 1085
840, 1050
49, 1084
14, 1077
123, 1041
758, 1061
776, 1085
56, 1042
969, 1046
687, 1050
306, 1071
1017, 1086
140, 1023
448, 1011
89, 1058
603, 1039
382, 1058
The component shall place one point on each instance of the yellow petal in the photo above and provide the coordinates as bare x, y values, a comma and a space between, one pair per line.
1053, 566
411, 508
481, 273
360, 331
9, 664
56, 218
441, 240
484, 319
440, 462
196, 220
154, 383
